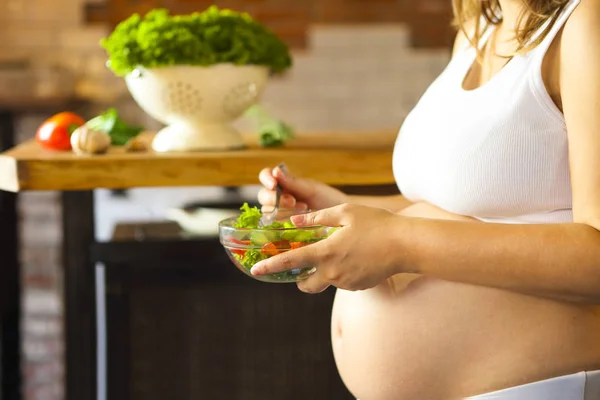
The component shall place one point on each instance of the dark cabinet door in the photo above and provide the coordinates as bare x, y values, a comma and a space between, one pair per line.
200, 329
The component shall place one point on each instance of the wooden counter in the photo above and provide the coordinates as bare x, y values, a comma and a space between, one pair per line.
355, 158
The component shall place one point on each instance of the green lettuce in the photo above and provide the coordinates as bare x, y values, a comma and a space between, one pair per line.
199, 39
276, 232
249, 217
251, 257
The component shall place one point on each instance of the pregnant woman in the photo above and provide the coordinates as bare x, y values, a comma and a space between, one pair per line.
482, 280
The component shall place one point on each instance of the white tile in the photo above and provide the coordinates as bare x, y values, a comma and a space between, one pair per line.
94, 65
82, 38
303, 68
372, 35
62, 12
29, 36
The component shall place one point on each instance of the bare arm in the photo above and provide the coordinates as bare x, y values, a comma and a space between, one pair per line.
394, 203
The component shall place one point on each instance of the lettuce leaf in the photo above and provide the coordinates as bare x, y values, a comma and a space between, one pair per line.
248, 218
250, 258
213, 36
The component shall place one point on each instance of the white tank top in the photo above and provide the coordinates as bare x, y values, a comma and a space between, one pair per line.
498, 153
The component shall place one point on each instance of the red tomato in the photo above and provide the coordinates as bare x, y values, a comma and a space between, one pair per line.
55, 133
239, 252
236, 241
282, 245
270, 249
296, 245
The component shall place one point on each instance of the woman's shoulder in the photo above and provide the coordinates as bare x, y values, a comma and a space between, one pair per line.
579, 41
583, 24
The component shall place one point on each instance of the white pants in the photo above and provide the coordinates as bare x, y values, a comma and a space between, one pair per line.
580, 386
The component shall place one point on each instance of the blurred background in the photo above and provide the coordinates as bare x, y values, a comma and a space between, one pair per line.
359, 65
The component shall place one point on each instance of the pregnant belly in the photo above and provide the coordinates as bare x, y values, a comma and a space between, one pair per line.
421, 338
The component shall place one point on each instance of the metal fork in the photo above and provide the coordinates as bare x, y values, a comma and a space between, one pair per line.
268, 219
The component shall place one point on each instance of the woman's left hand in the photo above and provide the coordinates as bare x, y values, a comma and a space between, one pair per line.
360, 255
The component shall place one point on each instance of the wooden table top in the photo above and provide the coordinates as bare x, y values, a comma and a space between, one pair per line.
344, 158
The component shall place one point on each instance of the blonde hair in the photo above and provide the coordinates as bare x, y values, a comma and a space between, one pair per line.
535, 15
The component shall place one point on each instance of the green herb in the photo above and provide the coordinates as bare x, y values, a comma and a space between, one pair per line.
275, 135
118, 130
202, 38
272, 131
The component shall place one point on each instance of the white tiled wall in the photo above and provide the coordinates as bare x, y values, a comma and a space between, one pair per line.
353, 78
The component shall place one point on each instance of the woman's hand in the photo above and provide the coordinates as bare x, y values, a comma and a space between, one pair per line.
299, 193
359, 256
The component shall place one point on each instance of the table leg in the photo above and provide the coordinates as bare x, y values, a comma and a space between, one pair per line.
79, 295
10, 283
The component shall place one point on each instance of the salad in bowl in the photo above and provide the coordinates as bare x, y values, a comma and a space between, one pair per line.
247, 243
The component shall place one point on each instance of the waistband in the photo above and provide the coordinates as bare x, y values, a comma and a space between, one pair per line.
579, 386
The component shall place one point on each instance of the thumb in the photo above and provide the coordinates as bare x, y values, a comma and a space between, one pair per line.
333, 217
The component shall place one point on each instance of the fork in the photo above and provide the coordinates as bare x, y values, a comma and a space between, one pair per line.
268, 219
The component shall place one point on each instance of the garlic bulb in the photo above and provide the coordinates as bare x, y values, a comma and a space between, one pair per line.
88, 141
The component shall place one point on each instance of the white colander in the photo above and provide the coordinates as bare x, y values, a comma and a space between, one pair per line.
198, 104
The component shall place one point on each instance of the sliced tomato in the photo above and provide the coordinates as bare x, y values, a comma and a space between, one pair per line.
296, 245
270, 249
237, 241
282, 245
239, 252
55, 133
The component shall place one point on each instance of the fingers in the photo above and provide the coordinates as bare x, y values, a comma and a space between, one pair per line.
314, 284
267, 179
335, 216
292, 186
304, 257
301, 187
281, 172
301, 206
267, 199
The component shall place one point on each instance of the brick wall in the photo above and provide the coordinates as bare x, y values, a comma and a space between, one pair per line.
364, 73
427, 20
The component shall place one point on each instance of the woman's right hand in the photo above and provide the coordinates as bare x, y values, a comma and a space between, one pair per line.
298, 193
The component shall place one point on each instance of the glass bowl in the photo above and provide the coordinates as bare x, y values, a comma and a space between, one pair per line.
246, 247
